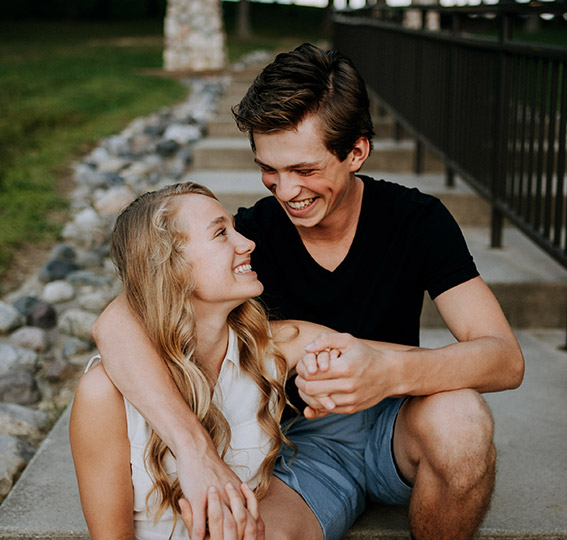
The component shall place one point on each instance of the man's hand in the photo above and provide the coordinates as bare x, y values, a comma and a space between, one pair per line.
211, 472
219, 528
341, 374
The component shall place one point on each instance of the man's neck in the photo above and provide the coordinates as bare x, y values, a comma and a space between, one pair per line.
329, 241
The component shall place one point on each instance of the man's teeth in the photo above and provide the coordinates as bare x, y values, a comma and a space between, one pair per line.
300, 205
242, 269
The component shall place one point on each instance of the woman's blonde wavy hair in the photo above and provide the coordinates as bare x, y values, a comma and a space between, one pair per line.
147, 247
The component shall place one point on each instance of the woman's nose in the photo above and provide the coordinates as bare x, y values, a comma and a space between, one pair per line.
244, 245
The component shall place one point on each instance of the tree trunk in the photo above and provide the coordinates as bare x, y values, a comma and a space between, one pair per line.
243, 30
329, 12
194, 36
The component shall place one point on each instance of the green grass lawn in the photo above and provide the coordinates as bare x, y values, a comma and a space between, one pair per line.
66, 85
63, 87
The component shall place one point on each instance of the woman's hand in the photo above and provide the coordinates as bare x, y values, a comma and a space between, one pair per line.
221, 528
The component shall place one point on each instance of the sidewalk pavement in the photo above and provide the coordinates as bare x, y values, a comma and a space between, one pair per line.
530, 501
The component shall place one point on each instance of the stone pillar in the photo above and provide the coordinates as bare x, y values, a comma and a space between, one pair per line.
194, 36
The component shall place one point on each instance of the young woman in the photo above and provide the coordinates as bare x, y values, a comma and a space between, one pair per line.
187, 277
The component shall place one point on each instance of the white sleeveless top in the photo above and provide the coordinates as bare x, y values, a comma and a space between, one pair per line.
238, 397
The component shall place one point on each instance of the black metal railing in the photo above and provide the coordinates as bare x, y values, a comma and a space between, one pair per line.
493, 109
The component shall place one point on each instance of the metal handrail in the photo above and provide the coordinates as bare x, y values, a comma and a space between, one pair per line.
494, 110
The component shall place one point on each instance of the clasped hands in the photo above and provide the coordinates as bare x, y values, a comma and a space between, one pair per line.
338, 374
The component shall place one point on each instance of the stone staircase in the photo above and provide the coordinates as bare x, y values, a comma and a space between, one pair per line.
530, 500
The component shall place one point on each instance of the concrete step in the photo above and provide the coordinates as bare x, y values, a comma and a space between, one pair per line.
234, 153
223, 125
530, 500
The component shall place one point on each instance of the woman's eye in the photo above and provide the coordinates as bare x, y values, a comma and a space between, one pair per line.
222, 232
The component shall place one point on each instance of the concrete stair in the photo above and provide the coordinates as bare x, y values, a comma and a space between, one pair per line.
530, 500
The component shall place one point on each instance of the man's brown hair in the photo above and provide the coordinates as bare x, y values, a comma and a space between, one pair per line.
308, 81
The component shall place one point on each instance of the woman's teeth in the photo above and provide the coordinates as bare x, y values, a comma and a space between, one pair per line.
243, 269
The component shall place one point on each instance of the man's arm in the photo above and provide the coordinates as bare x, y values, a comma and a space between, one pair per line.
135, 368
486, 358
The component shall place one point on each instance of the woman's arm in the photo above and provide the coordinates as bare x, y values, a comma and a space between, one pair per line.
291, 337
101, 452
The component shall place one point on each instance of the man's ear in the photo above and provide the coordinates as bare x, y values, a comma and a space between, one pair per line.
359, 153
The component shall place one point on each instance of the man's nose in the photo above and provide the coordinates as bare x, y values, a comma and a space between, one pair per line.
287, 187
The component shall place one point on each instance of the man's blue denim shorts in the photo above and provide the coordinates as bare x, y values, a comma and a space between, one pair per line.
341, 460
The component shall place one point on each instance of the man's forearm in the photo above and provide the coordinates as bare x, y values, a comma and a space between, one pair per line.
486, 364
140, 375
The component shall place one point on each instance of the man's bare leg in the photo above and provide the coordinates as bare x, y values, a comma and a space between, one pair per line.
443, 446
286, 515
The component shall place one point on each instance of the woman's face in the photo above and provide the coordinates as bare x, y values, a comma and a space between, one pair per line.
219, 256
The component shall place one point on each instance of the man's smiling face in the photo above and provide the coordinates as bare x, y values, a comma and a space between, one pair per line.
306, 178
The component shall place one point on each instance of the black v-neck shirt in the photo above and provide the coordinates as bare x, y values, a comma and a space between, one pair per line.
406, 243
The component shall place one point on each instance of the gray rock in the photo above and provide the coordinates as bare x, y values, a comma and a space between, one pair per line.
96, 301
83, 278
22, 421
182, 134
31, 337
154, 130
57, 269
75, 346
58, 291
43, 315
14, 358
89, 259
58, 370
167, 148
14, 456
77, 323
10, 318
112, 201
87, 175
86, 230
25, 304
19, 387
63, 252
112, 165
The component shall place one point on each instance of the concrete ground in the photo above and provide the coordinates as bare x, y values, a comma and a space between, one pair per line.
530, 501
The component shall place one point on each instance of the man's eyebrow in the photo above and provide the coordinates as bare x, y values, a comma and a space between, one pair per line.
303, 165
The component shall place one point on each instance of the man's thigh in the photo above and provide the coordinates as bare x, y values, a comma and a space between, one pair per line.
327, 472
384, 480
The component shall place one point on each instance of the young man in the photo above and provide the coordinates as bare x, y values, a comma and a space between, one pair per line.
354, 254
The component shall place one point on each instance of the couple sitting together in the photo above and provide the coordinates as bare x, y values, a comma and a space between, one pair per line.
188, 428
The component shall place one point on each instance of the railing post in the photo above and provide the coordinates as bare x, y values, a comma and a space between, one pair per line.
497, 223
499, 147
449, 177
397, 131
418, 158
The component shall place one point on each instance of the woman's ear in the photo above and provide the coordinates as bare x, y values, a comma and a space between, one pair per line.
359, 154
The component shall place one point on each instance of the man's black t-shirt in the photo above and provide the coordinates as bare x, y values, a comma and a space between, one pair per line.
406, 243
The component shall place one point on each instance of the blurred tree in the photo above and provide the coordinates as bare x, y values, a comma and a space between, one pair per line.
243, 30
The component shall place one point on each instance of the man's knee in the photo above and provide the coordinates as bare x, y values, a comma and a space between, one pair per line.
454, 433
